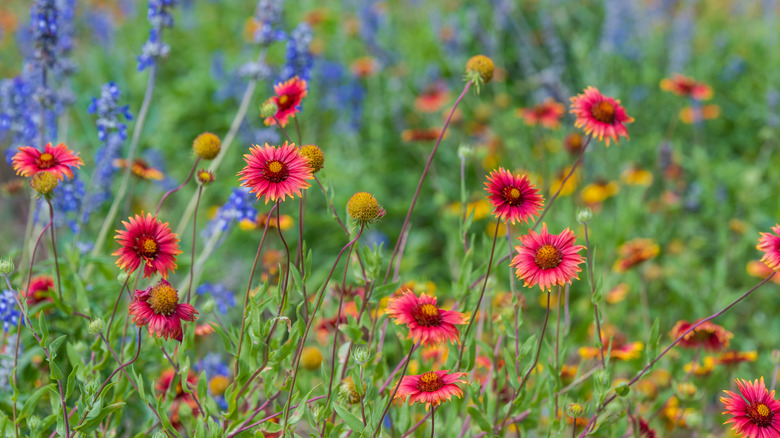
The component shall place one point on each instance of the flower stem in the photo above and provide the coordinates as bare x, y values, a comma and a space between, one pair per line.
249, 287
433, 419
395, 390
593, 294
194, 240
396, 249
481, 295
54, 250
174, 190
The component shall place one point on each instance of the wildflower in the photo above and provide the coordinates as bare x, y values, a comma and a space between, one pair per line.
146, 239
760, 270
620, 351
708, 335
429, 134
478, 209
696, 114
44, 184
275, 172
288, 99
58, 161
140, 168
285, 222
223, 297
571, 183
547, 114
514, 198
159, 309
9, 311
238, 208
686, 87
206, 146
315, 157
432, 98
364, 208
299, 56
618, 293
599, 191
700, 369
600, 115
364, 67
573, 143
547, 259
769, 243
311, 358
431, 388
645, 431
575, 410
6, 266
754, 412
109, 112
180, 397
636, 176
39, 289
479, 69
734, 357
635, 252
348, 392
205, 177
426, 321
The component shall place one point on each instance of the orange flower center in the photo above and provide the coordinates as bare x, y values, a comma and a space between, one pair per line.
603, 112
45, 161
760, 414
146, 247
163, 299
276, 171
284, 100
512, 195
427, 315
548, 257
430, 382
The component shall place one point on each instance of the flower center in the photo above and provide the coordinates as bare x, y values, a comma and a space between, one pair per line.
45, 161
760, 414
276, 171
512, 195
548, 257
146, 247
603, 112
430, 382
427, 315
163, 299
284, 100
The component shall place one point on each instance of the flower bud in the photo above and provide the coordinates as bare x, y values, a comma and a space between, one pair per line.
465, 151
207, 146
360, 355
584, 215
575, 410
96, 326
91, 387
122, 277
6, 266
687, 390
364, 208
33, 422
208, 306
44, 183
268, 108
311, 358
622, 389
480, 67
205, 177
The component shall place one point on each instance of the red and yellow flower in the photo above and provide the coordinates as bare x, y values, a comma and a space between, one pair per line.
514, 198
59, 161
547, 114
711, 337
635, 252
275, 173
427, 323
431, 388
547, 259
147, 240
288, 99
600, 116
754, 411
769, 244
686, 87
158, 308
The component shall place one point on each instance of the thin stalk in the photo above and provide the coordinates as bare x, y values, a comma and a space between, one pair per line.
281, 128
298, 128
557, 344
249, 287
54, 249
176, 189
123, 186
116, 305
194, 240
395, 390
336, 330
301, 257
396, 252
593, 294
481, 295
433, 421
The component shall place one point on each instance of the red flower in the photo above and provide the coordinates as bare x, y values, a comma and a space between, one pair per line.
547, 259
159, 309
685, 86
58, 160
275, 172
426, 321
600, 115
39, 290
431, 388
770, 245
433, 98
147, 240
547, 114
755, 412
179, 396
288, 100
514, 198
708, 335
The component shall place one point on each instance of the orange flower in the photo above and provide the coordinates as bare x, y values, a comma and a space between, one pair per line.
708, 335
140, 168
433, 98
686, 87
735, 357
635, 252
690, 115
431, 388
364, 67
430, 134
547, 114
600, 115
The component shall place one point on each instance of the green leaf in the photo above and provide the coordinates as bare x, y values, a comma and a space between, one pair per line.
71, 380
225, 338
55, 373
298, 413
31, 402
354, 423
92, 423
55, 345
44, 328
480, 418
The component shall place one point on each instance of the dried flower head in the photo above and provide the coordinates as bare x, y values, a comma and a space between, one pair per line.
315, 157
364, 208
44, 184
207, 146
479, 69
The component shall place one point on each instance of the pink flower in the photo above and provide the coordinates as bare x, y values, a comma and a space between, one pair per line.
547, 259
547, 114
427, 323
275, 172
148, 241
755, 412
770, 245
431, 388
600, 115
57, 160
159, 309
288, 100
514, 198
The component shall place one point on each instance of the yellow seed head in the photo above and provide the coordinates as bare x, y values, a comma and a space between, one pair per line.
480, 66
44, 183
311, 358
205, 177
364, 208
314, 156
207, 146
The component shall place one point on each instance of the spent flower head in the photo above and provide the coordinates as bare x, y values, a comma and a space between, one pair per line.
44, 184
364, 208
207, 146
479, 70
315, 157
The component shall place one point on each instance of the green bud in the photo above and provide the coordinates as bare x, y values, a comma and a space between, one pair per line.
465, 152
602, 378
268, 108
622, 389
692, 419
208, 306
360, 355
91, 387
122, 277
159, 434
584, 215
6, 266
96, 326
575, 410
33, 422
